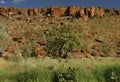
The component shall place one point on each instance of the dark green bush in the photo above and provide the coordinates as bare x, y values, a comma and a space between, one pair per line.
112, 74
62, 40
68, 75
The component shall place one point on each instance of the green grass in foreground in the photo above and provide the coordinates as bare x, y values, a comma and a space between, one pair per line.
60, 70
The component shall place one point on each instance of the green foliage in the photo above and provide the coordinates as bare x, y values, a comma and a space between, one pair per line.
3, 75
34, 75
112, 73
27, 52
105, 48
62, 40
65, 75
44, 71
17, 50
98, 74
4, 38
16, 58
29, 75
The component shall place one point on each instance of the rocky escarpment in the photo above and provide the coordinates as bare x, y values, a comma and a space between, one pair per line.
28, 31
82, 12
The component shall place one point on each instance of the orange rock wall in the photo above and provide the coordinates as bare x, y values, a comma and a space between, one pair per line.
82, 12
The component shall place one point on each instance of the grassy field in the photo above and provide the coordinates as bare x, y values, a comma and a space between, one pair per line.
60, 70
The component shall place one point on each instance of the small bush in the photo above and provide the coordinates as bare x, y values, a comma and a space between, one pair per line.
112, 73
65, 75
27, 51
4, 38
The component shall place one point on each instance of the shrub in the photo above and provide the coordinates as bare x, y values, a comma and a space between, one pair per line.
105, 48
4, 38
62, 40
27, 52
112, 73
65, 75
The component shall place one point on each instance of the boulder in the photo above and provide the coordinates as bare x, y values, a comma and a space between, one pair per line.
19, 39
10, 49
5, 54
24, 12
97, 11
82, 11
39, 51
36, 11
87, 11
92, 11
88, 55
3, 11
42, 42
33, 12
84, 17
83, 14
118, 12
30, 12
73, 11
29, 34
100, 12
29, 19
111, 12
44, 11
118, 44
58, 11
14, 10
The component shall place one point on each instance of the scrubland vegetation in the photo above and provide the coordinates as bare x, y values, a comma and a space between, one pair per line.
62, 37
60, 70
64, 49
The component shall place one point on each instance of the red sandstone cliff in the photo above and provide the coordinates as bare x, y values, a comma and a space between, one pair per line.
83, 12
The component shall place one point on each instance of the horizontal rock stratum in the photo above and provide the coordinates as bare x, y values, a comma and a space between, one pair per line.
56, 11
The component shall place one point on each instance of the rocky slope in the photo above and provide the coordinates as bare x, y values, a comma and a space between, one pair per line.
98, 30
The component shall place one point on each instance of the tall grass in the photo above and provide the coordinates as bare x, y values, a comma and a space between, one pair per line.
60, 70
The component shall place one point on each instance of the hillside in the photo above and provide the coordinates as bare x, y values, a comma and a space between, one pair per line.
59, 32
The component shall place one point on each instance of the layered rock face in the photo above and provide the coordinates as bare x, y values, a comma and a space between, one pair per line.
58, 11
3, 11
83, 12
73, 11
